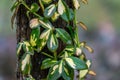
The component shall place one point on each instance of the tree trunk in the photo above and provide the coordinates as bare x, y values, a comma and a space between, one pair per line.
23, 33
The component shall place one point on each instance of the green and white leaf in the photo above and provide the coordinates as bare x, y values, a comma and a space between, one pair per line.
76, 63
66, 75
34, 37
45, 34
83, 73
61, 7
47, 63
55, 16
19, 47
44, 38
64, 10
50, 10
60, 67
34, 23
52, 43
46, 24
27, 47
65, 16
70, 49
26, 64
54, 72
64, 35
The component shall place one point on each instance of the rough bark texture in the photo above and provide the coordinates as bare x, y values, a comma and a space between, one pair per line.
23, 33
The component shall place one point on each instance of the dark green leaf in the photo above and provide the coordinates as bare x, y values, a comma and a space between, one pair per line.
34, 36
64, 35
52, 43
49, 11
76, 63
65, 16
47, 63
71, 14
34, 7
66, 74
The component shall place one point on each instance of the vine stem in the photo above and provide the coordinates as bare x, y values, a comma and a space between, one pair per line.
55, 55
47, 55
76, 36
26, 6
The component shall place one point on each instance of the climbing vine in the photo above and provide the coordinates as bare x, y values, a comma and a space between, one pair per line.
64, 63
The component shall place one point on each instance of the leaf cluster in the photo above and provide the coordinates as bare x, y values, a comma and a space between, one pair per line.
72, 57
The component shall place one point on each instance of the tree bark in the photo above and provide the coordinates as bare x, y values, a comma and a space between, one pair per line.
23, 33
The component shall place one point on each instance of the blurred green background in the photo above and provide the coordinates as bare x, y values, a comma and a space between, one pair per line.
103, 20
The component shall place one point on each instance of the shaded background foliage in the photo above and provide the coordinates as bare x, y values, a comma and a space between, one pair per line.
101, 17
